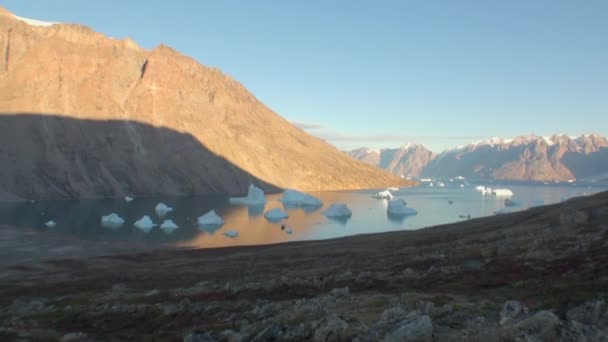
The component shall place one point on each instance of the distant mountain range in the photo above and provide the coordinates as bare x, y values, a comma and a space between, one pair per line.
526, 157
83, 115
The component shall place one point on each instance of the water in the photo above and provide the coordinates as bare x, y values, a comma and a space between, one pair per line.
80, 220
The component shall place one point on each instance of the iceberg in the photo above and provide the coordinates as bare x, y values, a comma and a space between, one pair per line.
502, 192
398, 207
255, 196
128, 199
386, 194
112, 221
288, 230
168, 226
275, 215
144, 224
231, 233
337, 210
299, 199
210, 218
162, 209
511, 203
50, 224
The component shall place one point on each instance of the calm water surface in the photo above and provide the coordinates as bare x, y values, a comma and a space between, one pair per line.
81, 219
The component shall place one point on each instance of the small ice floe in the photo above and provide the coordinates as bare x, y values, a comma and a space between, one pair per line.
231, 233
128, 199
431, 184
144, 224
502, 192
338, 210
112, 221
511, 203
386, 194
392, 188
288, 230
462, 185
210, 219
162, 209
299, 199
441, 184
275, 215
398, 207
50, 224
255, 196
168, 226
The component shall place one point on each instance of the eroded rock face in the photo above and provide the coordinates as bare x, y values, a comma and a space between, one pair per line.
112, 119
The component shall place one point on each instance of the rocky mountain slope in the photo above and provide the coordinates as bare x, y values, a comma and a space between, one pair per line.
530, 157
111, 118
407, 161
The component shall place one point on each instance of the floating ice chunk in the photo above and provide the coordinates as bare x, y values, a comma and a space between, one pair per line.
144, 224
502, 192
210, 218
231, 233
441, 184
392, 188
337, 210
162, 209
112, 221
398, 207
50, 224
300, 199
255, 196
128, 199
480, 188
512, 203
384, 195
288, 230
275, 215
168, 226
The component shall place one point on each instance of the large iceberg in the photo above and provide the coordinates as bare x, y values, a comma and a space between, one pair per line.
255, 196
339, 210
210, 218
299, 199
144, 224
386, 194
231, 233
50, 224
112, 221
502, 192
398, 207
162, 209
168, 226
275, 215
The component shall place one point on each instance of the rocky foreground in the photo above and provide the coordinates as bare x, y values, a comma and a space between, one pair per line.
538, 275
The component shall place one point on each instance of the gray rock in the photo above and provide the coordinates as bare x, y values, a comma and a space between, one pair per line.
573, 217
346, 276
340, 293
272, 332
589, 313
74, 337
542, 326
576, 331
419, 329
151, 293
409, 273
332, 329
231, 336
198, 337
511, 309
394, 314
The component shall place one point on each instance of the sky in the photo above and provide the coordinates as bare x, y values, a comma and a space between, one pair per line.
383, 73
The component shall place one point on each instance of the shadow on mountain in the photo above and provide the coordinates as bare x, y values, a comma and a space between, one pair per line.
585, 166
45, 156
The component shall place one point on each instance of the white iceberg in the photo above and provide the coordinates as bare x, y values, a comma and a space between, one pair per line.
255, 196
299, 199
398, 207
231, 233
112, 221
50, 224
128, 199
502, 192
386, 194
162, 209
168, 226
275, 214
337, 210
144, 224
210, 218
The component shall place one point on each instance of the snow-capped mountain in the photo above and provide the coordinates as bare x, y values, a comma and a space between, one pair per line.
526, 157
407, 160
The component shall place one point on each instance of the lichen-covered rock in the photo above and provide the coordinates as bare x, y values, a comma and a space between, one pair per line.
511, 309
419, 329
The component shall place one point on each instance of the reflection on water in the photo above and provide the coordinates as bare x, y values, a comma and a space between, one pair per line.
81, 219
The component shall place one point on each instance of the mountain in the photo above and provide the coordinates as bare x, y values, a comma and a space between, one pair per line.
528, 157
84, 115
406, 161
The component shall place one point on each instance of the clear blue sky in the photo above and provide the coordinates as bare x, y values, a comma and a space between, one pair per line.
381, 73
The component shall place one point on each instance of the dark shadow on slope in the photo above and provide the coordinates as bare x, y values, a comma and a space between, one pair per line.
587, 165
58, 157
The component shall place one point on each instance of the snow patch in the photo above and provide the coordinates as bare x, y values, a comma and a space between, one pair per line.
34, 22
